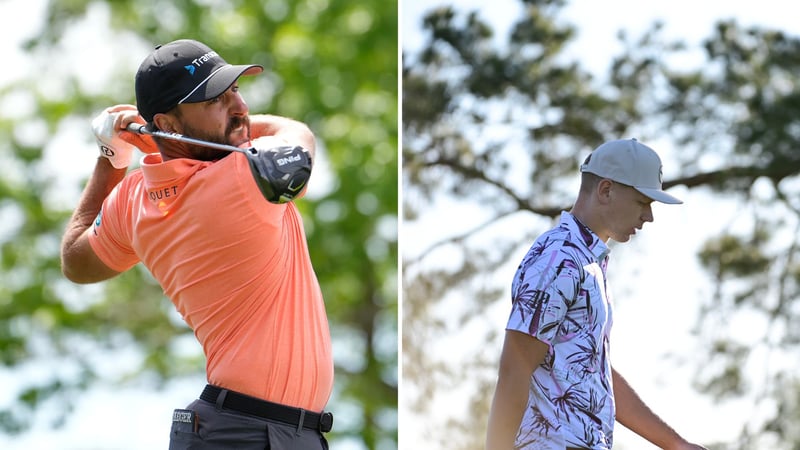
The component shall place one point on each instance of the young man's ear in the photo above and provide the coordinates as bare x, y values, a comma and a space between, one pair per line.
603, 191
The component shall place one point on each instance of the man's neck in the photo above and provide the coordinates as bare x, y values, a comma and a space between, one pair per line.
585, 215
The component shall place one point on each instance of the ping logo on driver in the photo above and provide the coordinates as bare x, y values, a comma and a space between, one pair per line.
287, 160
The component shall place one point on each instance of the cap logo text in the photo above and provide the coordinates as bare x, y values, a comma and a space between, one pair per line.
190, 69
203, 59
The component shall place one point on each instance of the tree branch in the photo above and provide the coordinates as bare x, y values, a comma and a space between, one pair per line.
457, 238
774, 172
472, 173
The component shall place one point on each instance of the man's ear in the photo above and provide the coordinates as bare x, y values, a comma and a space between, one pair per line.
603, 191
166, 122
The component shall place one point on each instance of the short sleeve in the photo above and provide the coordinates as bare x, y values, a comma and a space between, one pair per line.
110, 234
544, 288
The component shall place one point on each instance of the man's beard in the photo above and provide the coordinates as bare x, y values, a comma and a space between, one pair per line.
210, 154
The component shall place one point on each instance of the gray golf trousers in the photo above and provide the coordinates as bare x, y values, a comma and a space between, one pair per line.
203, 426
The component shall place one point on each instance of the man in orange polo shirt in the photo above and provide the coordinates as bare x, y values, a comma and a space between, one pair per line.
235, 265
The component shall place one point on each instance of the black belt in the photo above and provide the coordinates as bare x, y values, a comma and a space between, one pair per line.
268, 410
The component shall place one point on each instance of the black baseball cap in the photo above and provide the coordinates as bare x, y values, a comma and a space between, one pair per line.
184, 71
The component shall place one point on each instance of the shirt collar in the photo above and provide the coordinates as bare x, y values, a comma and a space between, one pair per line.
589, 240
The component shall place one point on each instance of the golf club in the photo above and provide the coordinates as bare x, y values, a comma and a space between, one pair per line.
280, 172
142, 129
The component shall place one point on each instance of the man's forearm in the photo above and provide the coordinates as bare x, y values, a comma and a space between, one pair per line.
101, 183
290, 130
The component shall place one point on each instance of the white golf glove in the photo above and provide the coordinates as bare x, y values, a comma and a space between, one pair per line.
112, 146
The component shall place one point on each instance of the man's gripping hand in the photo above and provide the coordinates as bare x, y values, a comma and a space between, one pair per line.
114, 141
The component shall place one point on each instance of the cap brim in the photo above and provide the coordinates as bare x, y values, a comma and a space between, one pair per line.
659, 196
221, 81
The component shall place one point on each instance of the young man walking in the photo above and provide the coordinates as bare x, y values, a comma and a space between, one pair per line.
556, 386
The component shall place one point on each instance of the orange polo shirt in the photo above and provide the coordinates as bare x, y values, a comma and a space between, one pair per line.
236, 267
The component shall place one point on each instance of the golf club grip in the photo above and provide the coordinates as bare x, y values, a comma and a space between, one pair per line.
137, 128
142, 129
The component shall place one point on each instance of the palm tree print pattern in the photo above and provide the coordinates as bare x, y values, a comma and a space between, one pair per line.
560, 297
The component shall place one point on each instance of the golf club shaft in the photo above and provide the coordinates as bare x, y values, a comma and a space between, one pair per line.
141, 129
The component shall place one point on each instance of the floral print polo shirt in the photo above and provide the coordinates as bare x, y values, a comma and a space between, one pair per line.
560, 297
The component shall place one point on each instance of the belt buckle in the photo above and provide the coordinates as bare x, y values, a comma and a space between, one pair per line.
325, 422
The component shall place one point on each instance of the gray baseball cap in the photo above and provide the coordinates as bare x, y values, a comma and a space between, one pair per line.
629, 162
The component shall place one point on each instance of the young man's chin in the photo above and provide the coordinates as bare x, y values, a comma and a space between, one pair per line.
621, 238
